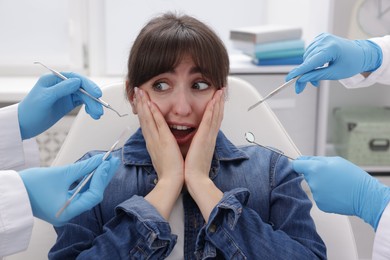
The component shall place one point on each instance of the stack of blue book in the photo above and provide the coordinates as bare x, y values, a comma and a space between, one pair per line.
270, 44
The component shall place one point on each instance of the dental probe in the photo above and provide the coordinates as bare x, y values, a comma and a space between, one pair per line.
103, 103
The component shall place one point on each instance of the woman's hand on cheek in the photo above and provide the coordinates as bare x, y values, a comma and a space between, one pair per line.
161, 144
200, 154
165, 154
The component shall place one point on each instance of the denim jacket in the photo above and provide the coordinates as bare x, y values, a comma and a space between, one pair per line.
264, 213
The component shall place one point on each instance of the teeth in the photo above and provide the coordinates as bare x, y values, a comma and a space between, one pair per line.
180, 127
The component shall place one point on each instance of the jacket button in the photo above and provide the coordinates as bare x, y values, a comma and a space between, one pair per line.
155, 181
212, 228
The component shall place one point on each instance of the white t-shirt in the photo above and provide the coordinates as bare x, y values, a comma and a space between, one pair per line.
176, 222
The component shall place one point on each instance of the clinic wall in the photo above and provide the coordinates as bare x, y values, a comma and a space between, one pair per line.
311, 16
94, 36
123, 19
39, 30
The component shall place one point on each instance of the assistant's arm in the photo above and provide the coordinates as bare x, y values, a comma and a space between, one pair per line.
341, 187
330, 57
380, 75
16, 218
15, 153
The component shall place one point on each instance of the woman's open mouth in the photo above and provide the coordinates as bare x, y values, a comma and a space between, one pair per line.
182, 133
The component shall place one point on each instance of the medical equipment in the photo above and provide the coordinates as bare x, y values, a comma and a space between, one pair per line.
277, 90
124, 133
250, 137
103, 103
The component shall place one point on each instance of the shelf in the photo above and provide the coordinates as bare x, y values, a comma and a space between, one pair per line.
241, 64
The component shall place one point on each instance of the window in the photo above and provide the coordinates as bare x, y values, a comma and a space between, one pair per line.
48, 31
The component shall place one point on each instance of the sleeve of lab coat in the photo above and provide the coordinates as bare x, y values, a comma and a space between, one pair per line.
381, 75
382, 237
15, 154
16, 219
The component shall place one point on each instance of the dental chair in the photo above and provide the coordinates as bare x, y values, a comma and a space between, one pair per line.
87, 134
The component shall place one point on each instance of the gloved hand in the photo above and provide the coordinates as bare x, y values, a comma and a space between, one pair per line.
339, 186
52, 98
48, 188
345, 58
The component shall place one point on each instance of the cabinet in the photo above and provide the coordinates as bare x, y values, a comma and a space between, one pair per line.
297, 113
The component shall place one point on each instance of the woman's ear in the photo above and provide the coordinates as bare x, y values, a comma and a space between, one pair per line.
131, 97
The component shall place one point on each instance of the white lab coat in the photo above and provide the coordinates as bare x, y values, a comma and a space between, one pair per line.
16, 219
381, 248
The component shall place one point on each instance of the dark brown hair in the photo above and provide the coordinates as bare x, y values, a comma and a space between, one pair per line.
165, 40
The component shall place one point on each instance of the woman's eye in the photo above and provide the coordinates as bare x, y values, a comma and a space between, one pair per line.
161, 86
201, 85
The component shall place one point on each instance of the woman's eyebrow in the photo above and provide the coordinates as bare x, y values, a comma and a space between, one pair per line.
194, 70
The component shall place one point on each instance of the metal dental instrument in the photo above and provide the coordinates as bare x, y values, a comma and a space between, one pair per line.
277, 90
89, 176
103, 103
250, 137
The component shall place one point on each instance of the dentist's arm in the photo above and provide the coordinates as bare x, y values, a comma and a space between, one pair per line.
345, 58
48, 188
339, 186
52, 98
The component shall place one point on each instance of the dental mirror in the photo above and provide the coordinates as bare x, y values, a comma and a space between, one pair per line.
250, 137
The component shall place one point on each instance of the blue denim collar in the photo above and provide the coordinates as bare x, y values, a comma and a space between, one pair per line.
135, 153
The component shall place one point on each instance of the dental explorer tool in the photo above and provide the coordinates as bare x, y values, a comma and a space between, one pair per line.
103, 103
277, 90
89, 176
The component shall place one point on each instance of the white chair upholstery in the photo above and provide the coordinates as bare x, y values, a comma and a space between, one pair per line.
87, 134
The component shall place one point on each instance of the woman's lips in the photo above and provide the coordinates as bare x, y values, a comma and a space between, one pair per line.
183, 134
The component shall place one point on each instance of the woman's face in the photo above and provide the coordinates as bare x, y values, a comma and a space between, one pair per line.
182, 96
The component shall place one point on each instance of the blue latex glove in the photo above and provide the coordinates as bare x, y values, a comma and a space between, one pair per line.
48, 188
339, 186
52, 98
345, 58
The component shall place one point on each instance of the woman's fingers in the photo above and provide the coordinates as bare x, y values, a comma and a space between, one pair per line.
147, 122
219, 109
212, 118
201, 151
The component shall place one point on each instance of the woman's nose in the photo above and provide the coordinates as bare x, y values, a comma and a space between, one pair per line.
182, 104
